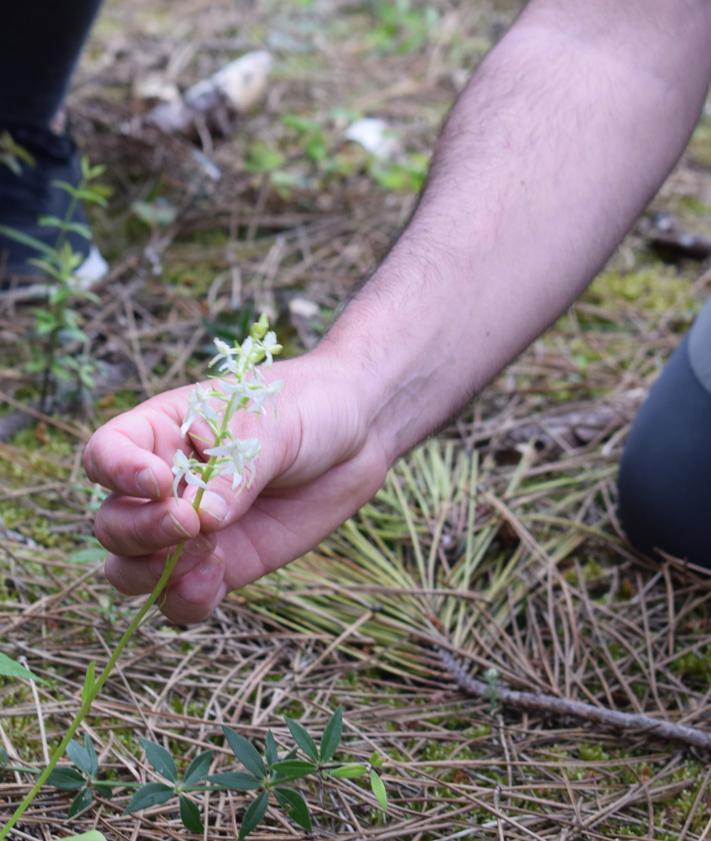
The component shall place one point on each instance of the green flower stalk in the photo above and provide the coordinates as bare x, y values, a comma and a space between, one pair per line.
239, 386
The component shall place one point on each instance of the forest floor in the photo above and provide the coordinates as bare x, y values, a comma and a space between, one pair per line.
499, 538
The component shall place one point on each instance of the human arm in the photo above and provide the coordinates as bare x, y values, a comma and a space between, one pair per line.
554, 148
556, 145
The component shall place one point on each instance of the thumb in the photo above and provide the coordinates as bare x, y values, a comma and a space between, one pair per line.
222, 504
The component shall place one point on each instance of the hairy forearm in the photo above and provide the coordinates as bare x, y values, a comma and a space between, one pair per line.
552, 151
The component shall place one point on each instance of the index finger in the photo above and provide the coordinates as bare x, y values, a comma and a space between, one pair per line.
131, 453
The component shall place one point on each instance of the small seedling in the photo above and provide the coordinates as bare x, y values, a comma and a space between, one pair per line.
59, 323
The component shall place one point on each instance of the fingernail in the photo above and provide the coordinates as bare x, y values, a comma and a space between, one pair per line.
173, 525
147, 483
214, 505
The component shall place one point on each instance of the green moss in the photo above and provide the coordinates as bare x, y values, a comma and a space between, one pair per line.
653, 290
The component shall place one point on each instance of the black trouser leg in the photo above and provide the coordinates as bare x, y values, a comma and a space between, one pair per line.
665, 475
40, 43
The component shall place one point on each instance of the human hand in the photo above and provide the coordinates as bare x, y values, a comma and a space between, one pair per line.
318, 464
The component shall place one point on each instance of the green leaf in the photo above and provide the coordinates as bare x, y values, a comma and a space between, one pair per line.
4, 757
349, 772
81, 802
271, 751
293, 769
85, 760
235, 780
88, 687
94, 835
245, 752
198, 768
107, 792
68, 779
190, 815
94, 552
295, 807
253, 816
378, 788
151, 794
11, 668
26, 239
161, 760
302, 739
332, 735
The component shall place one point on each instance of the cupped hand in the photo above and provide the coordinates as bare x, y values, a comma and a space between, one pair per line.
318, 464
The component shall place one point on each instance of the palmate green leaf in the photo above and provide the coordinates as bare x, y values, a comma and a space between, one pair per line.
378, 788
332, 735
198, 769
352, 771
295, 807
245, 752
68, 779
302, 738
160, 759
11, 668
151, 794
253, 816
235, 780
84, 799
93, 835
292, 769
190, 815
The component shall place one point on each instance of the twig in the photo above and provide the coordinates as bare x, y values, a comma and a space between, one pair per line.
550, 704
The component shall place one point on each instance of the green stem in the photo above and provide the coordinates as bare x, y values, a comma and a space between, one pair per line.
92, 693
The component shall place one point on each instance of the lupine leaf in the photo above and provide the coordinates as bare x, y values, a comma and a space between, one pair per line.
332, 735
198, 768
271, 752
151, 794
80, 802
293, 769
378, 788
68, 779
89, 748
302, 739
93, 835
245, 752
80, 757
295, 807
253, 816
235, 780
349, 772
190, 815
160, 759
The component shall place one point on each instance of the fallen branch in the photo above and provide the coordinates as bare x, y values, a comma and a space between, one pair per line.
564, 707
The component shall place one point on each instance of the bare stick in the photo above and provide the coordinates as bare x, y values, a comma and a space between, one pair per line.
539, 702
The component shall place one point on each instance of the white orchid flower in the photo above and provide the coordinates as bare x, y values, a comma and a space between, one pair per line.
184, 468
199, 407
270, 346
237, 458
